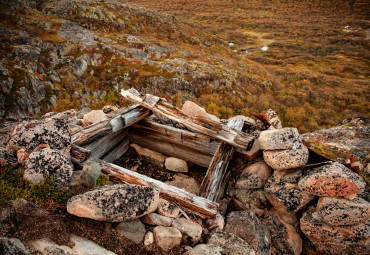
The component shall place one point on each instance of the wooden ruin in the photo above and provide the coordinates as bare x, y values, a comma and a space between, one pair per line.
198, 140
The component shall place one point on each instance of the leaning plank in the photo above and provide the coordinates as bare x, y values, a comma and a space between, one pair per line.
79, 153
202, 126
117, 152
91, 133
106, 144
150, 141
187, 200
213, 184
133, 115
178, 136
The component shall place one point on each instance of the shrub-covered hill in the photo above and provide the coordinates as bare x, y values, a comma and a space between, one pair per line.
57, 55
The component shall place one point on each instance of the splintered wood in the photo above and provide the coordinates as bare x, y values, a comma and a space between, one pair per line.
214, 182
202, 126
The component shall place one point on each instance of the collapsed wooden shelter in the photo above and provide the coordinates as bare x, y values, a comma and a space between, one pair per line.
157, 125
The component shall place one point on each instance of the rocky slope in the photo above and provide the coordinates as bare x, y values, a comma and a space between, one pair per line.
63, 54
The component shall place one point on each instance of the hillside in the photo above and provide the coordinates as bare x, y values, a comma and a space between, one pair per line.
57, 55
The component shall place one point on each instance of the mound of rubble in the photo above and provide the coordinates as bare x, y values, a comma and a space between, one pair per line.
263, 191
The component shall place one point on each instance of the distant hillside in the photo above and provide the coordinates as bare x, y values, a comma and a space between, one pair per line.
57, 55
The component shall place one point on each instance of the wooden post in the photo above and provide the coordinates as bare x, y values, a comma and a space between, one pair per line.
190, 202
213, 184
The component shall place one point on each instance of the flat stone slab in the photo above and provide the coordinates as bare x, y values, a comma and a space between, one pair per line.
167, 237
115, 203
279, 139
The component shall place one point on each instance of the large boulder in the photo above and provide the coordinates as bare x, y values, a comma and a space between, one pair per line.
193, 110
115, 203
231, 244
279, 139
167, 237
286, 159
338, 211
247, 226
286, 197
332, 180
48, 162
192, 232
335, 239
254, 176
285, 238
30, 134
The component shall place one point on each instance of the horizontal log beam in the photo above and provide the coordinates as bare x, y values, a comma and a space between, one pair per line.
202, 126
188, 201
79, 153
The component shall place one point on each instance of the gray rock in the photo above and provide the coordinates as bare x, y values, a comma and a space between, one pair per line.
251, 198
115, 203
231, 244
133, 230
148, 238
38, 88
12, 246
86, 247
292, 175
89, 174
285, 238
285, 197
338, 211
207, 249
286, 159
7, 159
81, 113
81, 64
30, 134
247, 226
47, 247
167, 237
176, 165
332, 180
279, 139
192, 232
50, 162
157, 220
254, 176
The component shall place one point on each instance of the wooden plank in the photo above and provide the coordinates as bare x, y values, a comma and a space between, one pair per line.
150, 141
104, 145
79, 153
91, 133
178, 136
213, 184
135, 114
254, 152
118, 151
188, 201
205, 127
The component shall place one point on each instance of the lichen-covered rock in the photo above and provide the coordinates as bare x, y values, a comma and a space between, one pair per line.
279, 139
284, 196
109, 109
89, 174
176, 165
332, 180
157, 220
191, 231
273, 118
115, 203
231, 244
254, 176
50, 162
193, 110
12, 246
335, 239
167, 209
250, 199
248, 227
285, 239
30, 134
167, 237
133, 230
338, 211
286, 159
207, 249
93, 117
7, 158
